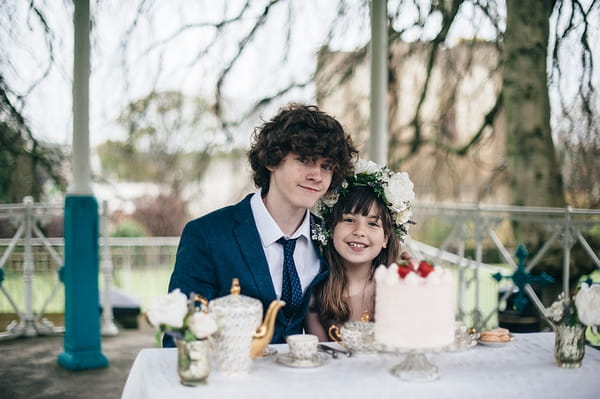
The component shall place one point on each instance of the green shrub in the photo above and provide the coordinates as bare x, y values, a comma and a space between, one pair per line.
129, 228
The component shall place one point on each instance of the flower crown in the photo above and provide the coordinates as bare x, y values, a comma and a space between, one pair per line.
395, 189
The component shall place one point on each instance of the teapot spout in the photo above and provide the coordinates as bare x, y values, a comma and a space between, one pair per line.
264, 334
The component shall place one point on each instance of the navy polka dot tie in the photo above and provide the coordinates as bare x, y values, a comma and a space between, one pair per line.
291, 290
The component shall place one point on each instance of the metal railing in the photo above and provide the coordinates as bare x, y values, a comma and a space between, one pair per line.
27, 218
462, 228
484, 227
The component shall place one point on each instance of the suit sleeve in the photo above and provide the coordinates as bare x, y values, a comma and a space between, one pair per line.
194, 264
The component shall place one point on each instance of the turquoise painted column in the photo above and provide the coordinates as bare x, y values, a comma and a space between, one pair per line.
82, 340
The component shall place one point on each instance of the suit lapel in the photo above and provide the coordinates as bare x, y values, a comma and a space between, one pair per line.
249, 242
247, 238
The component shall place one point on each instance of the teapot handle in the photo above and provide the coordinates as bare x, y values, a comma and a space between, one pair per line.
334, 333
202, 300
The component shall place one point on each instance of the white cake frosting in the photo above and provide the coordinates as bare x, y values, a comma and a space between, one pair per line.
414, 312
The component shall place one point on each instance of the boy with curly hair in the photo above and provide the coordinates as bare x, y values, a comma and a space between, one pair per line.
296, 157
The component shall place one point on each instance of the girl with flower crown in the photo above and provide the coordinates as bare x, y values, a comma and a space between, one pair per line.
364, 224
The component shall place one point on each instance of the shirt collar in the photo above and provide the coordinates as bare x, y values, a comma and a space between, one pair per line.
268, 229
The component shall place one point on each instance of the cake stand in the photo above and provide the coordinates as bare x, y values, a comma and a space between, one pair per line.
415, 366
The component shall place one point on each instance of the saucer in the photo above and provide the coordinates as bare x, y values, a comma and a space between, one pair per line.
456, 347
363, 350
369, 351
317, 360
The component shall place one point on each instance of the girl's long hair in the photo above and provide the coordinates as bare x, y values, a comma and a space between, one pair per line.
329, 300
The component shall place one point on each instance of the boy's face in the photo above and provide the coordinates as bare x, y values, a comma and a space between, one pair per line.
299, 182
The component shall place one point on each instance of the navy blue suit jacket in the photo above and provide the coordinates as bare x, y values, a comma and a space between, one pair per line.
223, 245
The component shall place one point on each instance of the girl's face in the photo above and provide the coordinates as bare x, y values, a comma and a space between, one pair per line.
359, 238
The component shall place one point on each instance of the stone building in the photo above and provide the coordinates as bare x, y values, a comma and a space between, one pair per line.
460, 91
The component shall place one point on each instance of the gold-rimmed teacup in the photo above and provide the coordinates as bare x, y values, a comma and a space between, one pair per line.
357, 336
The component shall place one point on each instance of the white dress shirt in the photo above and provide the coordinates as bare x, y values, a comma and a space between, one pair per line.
305, 258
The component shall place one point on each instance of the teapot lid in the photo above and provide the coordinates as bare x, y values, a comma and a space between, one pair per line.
235, 299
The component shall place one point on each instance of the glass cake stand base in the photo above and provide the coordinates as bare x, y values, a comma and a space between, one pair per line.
416, 367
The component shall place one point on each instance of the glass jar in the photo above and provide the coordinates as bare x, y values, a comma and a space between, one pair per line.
193, 361
569, 345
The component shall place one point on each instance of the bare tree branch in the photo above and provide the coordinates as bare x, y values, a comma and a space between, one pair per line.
240, 49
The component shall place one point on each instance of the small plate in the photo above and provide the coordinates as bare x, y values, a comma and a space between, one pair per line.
496, 343
317, 360
364, 350
368, 351
455, 347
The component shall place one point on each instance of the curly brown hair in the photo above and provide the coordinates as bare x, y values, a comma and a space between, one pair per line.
303, 130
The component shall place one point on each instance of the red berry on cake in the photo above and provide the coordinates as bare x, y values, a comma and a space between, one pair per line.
403, 270
424, 268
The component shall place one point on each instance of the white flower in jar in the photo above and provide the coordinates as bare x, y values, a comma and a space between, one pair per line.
202, 325
556, 310
169, 310
587, 302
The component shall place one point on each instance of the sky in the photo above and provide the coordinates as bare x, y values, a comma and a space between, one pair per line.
112, 87
260, 71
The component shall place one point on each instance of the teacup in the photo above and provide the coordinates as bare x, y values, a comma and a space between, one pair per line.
303, 347
357, 336
462, 336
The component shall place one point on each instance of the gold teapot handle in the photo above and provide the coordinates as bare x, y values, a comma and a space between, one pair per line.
364, 316
235, 287
334, 333
202, 300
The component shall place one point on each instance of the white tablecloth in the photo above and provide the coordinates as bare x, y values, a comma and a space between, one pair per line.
524, 368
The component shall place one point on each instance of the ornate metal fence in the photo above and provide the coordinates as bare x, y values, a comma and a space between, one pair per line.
27, 219
481, 228
31, 262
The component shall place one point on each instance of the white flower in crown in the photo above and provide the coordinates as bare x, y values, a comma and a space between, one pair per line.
399, 191
395, 189
403, 217
365, 166
331, 198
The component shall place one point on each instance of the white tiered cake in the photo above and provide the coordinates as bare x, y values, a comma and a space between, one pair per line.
414, 308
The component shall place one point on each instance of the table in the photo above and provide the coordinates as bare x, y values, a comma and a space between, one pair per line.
523, 368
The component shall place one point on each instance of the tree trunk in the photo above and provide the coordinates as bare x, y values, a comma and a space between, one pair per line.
533, 169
